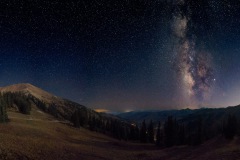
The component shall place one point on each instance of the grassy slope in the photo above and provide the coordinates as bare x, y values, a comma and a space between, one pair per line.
40, 136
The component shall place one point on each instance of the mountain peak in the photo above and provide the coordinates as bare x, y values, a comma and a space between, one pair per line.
49, 103
28, 88
18, 86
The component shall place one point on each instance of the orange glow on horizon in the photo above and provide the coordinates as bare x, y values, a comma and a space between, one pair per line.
101, 110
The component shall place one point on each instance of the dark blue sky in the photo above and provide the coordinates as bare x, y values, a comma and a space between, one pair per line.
125, 55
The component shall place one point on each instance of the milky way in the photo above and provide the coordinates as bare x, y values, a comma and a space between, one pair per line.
124, 54
194, 66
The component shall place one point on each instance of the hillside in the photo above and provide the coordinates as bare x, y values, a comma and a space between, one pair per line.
46, 133
27, 88
23, 97
59, 107
40, 136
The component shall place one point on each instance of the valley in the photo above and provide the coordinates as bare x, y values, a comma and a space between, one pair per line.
47, 134
40, 136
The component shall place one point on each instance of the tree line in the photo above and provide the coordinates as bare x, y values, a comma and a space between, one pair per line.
166, 134
17, 101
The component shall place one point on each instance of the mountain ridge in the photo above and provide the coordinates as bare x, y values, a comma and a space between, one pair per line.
59, 107
181, 115
28, 88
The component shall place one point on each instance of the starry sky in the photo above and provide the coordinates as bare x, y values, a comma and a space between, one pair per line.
125, 55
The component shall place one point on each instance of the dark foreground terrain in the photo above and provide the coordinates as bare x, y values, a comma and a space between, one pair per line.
40, 136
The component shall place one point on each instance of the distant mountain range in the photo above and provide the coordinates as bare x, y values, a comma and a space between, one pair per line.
211, 116
155, 115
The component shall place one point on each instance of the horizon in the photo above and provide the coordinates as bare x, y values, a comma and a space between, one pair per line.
158, 110
114, 112
120, 79
125, 55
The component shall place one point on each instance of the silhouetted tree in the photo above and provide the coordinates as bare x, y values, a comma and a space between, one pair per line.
23, 105
143, 132
80, 117
75, 119
137, 132
107, 125
198, 138
92, 123
169, 132
150, 132
132, 132
3, 112
181, 140
230, 127
83, 116
21, 101
40, 104
159, 135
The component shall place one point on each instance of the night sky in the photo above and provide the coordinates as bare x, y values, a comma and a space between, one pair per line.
125, 55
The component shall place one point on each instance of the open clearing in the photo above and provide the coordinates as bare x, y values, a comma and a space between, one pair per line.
40, 136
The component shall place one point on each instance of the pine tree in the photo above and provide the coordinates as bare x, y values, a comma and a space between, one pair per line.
230, 127
136, 137
143, 133
83, 116
150, 132
75, 119
3, 111
169, 132
108, 126
158, 136
181, 135
199, 132
92, 123
132, 132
